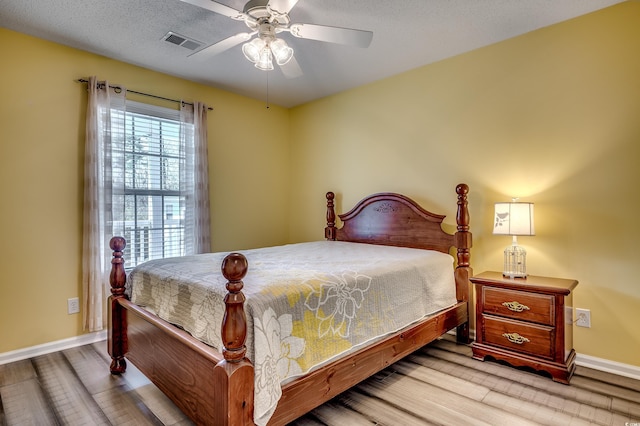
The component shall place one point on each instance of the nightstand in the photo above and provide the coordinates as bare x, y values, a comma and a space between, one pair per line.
522, 321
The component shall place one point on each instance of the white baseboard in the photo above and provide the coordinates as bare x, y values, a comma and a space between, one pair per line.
626, 370
45, 348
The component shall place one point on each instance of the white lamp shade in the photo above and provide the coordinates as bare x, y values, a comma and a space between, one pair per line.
265, 63
281, 52
513, 219
252, 49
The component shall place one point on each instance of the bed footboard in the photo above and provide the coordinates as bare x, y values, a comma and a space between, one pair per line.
210, 387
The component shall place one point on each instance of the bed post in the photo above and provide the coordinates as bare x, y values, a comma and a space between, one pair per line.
117, 319
463, 245
235, 370
330, 230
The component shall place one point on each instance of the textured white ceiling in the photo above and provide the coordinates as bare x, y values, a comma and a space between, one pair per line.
407, 34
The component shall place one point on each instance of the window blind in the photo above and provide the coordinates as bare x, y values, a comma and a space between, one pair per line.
152, 205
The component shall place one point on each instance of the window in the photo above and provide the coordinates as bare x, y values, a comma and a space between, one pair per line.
152, 214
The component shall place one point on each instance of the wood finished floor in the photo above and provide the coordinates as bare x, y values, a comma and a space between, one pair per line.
438, 385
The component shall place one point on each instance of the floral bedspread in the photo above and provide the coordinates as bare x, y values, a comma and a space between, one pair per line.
306, 304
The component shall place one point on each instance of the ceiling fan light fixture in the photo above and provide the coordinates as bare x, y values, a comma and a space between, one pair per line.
281, 51
253, 49
267, 18
265, 63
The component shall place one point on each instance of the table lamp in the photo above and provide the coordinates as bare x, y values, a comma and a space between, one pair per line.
514, 219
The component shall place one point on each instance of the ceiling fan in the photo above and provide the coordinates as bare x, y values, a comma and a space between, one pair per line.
267, 18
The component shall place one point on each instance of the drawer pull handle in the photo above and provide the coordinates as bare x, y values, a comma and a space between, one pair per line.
515, 306
516, 338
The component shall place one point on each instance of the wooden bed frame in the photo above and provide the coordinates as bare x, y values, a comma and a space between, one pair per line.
216, 388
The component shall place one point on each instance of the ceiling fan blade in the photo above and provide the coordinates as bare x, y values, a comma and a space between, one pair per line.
351, 37
217, 8
223, 45
282, 6
291, 69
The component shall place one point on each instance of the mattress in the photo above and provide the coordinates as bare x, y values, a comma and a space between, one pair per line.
306, 303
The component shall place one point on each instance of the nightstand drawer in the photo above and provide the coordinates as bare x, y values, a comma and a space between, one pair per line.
519, 305
522, 337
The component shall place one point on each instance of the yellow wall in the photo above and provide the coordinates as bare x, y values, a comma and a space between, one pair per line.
551, 116
41, 155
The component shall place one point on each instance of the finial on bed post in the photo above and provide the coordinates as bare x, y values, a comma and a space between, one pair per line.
118, 277
234, 322
116, 339
330, 230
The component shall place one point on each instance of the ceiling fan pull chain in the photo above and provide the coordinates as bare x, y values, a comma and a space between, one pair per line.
267, 89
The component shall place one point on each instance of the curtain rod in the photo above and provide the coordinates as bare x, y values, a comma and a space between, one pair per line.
82, 80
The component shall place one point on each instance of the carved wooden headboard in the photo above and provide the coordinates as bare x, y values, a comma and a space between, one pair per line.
394, 219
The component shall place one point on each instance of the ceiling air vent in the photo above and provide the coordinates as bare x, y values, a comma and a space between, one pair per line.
181, 40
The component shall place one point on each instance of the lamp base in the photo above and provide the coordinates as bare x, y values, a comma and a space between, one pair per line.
512, 275
515, 262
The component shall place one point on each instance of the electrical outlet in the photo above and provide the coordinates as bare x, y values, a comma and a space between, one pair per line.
583, 318
73, 305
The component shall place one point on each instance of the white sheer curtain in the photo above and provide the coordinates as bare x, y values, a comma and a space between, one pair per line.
103, 176
194, 179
